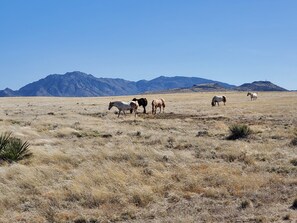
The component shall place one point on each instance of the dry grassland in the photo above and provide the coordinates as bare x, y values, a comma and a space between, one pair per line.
90, 166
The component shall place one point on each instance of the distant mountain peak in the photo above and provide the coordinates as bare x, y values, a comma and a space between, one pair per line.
79, 84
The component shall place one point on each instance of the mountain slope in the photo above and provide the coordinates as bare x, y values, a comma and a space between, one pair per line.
7, 92
165, 83
77, 84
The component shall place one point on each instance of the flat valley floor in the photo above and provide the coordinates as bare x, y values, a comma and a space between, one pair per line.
88, 165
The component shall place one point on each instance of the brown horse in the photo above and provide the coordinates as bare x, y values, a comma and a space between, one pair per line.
158, 103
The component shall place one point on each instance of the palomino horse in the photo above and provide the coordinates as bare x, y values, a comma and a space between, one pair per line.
158, 103
217, 99
253, 95
141, 102
124, 106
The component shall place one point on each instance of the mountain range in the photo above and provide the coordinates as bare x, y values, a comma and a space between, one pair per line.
79, 84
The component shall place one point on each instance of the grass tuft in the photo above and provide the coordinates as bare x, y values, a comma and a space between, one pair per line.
239, 131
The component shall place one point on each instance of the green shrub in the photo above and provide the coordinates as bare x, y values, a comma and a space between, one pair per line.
294, 205
294, 162
13, 149
294, 141
239, 131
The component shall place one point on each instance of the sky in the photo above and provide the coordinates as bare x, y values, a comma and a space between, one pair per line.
232, 41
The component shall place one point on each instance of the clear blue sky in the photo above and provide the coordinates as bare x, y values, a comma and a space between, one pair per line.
233, 41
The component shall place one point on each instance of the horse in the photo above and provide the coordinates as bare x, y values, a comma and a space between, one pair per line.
141, 102
253, 95
123, 106
158, 103
217, 99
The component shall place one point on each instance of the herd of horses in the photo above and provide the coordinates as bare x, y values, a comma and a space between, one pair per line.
133, 105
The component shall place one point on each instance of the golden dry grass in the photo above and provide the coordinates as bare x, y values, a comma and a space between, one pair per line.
90, 166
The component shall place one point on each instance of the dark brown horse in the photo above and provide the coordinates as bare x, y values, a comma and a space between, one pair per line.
141, 102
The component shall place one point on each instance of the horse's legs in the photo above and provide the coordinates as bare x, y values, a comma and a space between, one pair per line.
119, 113
144, 111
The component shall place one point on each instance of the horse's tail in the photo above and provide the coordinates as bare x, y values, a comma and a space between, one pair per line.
224, 99
153, 106
163, 102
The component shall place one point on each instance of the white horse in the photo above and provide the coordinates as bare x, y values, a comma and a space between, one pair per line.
217, 99
124, 106
253, 95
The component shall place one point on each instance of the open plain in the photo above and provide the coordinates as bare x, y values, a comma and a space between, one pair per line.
90, 166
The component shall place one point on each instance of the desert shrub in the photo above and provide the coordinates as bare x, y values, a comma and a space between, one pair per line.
287, 217
246, 204
238, 131
294, 205
294, 162
294, 141
13, 149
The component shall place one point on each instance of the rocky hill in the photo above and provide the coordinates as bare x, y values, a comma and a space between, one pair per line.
199, 88
259, 86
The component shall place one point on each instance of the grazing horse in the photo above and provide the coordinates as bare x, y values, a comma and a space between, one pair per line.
253, 95
158, 103
124, 106
141, 102
217, 99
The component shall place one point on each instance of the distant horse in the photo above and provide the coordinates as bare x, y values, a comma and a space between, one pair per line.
124, 106
217, 99
158, 103
253, 95
141, 102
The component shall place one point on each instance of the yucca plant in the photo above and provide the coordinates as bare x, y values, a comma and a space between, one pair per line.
13, 149
4, 139
239, 131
